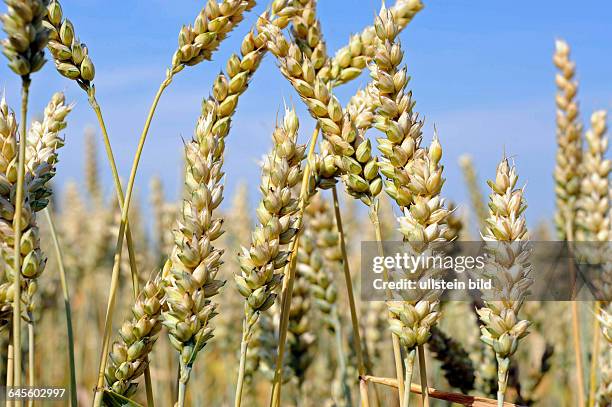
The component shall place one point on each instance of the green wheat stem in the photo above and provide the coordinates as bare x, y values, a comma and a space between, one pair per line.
119, 247
363, 386
25, 92
128, 234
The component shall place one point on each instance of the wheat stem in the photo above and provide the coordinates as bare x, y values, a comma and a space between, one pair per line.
289, 272
30, 355
247, 333
10, 355
119, 247
423, 370
128, 233
346, 390
118, 188
363, 386
67, 307
25, 91
397, 354
409, 365
569, 234
595, 352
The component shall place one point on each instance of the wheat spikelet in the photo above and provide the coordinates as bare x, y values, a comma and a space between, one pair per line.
227, 88
414, 177
129, 355
27, 37
394, 116
190, 277
323, 105
508, 265
569, 141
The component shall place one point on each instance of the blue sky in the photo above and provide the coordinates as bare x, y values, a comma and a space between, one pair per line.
482, 73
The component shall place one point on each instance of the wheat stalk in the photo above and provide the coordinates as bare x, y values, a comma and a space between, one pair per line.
604, 394
196, 44
567, 173
508, 265
321, 255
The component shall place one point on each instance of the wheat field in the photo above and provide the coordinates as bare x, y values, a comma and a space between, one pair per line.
115, 295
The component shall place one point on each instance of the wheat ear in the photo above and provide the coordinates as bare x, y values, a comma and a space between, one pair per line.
569, 140
593, 215
508, 265
270, 246
407, 167
129, 355
190, 280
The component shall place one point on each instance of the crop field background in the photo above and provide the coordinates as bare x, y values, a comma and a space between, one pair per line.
181, 220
